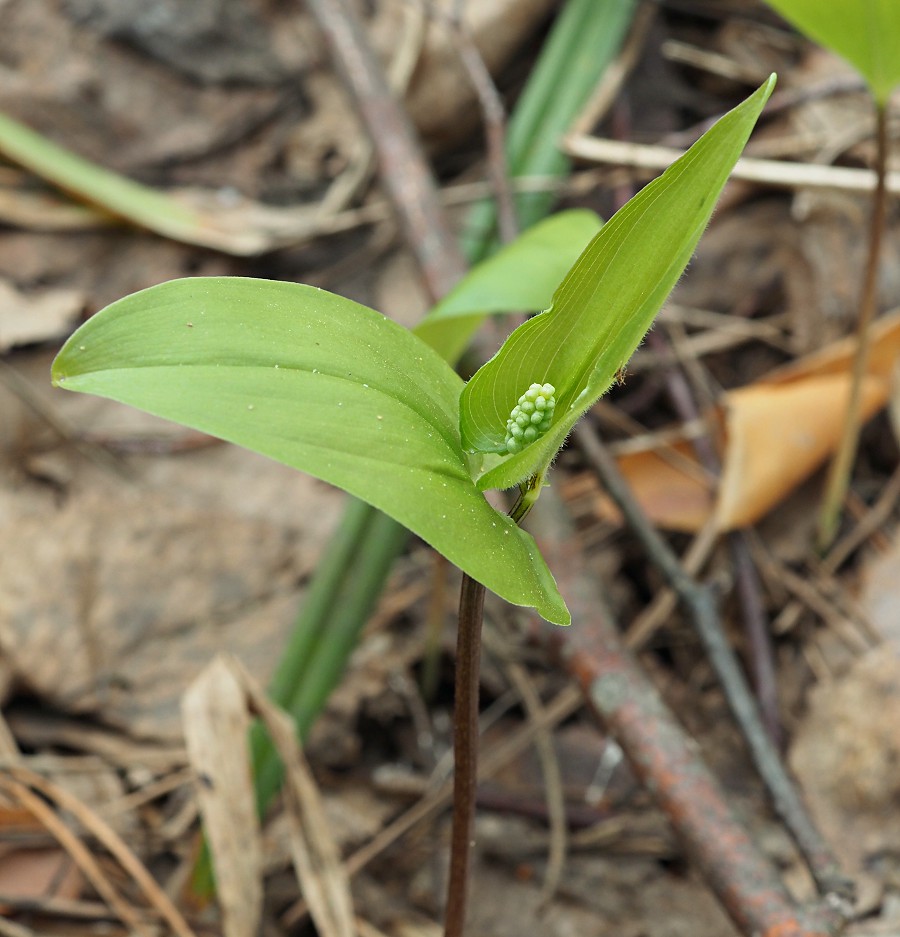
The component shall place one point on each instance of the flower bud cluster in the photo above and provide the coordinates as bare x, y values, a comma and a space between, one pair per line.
531, 417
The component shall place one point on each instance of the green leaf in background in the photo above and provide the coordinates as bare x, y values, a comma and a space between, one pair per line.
117, 194
322, 384
520, 277
606, 303
865, 32
584, 41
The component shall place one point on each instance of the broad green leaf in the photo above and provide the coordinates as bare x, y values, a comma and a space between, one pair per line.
322, 384
521, 276
606, 303
865, 32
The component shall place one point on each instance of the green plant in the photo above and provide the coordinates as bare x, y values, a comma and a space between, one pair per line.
585, 38
582, 43
867, 34
330, 387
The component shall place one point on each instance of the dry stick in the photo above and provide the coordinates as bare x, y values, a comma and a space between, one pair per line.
770, 172
111, 840
759, 638
354, 179
613, 79
756, 626
554, 797
643, 627
78, 852
842, 466
662, 755
408, 181
494, 116
877, 516
701, 605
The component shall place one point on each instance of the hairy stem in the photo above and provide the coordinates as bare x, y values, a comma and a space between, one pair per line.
842, 465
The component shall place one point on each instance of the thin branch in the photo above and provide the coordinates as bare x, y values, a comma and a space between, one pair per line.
756, 627
659, 751
553, 784
615, 74
568, 701
405, 175
701, 605
842, 465
771, 172
494, 116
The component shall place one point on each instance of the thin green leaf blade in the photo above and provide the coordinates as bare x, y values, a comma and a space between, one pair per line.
322, 384
864, 32
521, 276
156, 211
584, 39
606, 303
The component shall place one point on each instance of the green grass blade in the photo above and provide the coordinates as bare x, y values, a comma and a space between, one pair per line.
106, 189
584, 39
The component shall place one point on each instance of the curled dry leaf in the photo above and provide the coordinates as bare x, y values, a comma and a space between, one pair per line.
29, 318
225, 684
216, 720
776, 433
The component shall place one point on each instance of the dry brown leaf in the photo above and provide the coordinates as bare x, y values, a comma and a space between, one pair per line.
118, 594
27, 318
38, 873
219, 752
323, 879
672, 497
216, 721
776, 433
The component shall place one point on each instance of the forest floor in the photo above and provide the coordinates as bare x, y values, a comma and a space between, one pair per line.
134, 551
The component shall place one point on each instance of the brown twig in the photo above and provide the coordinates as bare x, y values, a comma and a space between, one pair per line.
762, 659
109, 838
408, 181
659, 751
494, 116
877, 515
700, 603
613, 78
554, 795
842, 465
78, 852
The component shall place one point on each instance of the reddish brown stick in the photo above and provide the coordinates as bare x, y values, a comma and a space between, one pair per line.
663, 756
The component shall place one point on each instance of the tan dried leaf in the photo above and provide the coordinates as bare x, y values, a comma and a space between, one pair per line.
216, 721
